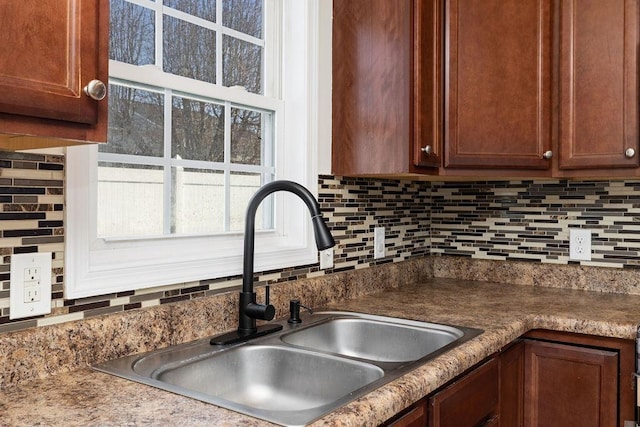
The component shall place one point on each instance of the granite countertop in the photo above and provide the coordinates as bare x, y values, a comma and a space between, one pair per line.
503, 311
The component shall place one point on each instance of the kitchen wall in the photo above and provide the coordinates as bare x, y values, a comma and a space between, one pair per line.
31, 220
501, 220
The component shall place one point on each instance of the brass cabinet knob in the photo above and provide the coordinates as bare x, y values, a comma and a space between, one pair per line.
630, 152
426, 150
96, 90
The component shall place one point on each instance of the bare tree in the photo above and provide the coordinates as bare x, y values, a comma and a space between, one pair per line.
136, 122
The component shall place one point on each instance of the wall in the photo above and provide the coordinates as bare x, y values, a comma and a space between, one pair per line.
501, 220
530, 220
32, 198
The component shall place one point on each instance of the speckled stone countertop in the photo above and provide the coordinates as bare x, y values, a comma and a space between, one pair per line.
505, 312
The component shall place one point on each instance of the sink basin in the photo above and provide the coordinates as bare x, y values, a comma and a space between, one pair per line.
271, 378
299, 374
381, 341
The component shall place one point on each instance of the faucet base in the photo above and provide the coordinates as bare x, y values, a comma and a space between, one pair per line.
235, 337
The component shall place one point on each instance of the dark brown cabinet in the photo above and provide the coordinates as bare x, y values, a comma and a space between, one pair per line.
545, 378
500, 88
471, 401
598, 94
52, 50
573, 379
570, 385
497, 84
372, 86
415, 416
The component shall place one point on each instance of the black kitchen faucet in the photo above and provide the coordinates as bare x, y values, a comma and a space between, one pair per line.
249, 309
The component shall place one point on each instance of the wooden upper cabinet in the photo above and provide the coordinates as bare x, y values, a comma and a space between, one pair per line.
372, 86
498, 84
52, 50
598, 84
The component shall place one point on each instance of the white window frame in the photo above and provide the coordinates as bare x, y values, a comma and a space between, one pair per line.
95, 266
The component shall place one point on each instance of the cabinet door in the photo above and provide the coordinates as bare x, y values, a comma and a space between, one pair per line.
428, 135
497, 84
512, 385
372, 86
52, 50
416, 416
598, 84
570, 385
468, 402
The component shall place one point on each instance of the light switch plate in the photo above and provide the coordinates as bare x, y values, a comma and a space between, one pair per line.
30, 285
378, 243
326, 259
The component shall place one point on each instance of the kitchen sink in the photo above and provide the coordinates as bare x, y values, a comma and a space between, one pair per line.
272, 378
383, 341
299, 374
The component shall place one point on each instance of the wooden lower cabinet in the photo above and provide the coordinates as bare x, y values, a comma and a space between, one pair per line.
570, 385
582, 380
471, 401
544, 379
415, 416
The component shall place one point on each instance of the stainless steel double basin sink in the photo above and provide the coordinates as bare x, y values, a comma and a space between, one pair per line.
299, 374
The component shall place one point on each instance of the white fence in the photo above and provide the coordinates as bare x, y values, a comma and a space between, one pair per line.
131, 201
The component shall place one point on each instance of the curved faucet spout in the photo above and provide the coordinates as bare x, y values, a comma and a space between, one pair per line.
324, 239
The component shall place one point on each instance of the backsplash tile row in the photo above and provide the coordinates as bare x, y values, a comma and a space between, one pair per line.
489, 220
530, 220
32, 220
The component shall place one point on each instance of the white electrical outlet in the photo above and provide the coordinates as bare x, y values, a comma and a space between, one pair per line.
30, 285
579, 244
378, 243
326, 259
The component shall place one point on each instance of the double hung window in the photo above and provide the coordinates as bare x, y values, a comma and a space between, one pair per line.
208, 100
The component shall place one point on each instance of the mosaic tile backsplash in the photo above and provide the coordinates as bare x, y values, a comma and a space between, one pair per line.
493, 220
530, 220
31, 220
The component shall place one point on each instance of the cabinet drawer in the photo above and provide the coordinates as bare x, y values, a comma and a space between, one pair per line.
468, 402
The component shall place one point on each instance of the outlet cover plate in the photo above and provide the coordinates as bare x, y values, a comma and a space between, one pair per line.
30, 285
579, 244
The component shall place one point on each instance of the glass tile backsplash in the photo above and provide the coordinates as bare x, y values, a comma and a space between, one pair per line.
500, 220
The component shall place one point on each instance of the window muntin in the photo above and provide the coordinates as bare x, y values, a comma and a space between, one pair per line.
205, 148
297, 84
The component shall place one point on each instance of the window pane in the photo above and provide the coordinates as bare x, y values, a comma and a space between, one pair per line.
189, 50
243, 15
197, 130
135, 122
246, 136
131, 36
129, 200
243, 187
242, 64
198, 197
205, 9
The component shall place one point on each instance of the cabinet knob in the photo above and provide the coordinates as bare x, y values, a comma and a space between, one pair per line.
426, 150
547, 154
630, 152
96, 90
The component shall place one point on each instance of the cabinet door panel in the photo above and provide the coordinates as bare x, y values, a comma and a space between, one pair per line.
372, 86
570, 385
468, 402
598, 83
41, 71
497, 83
